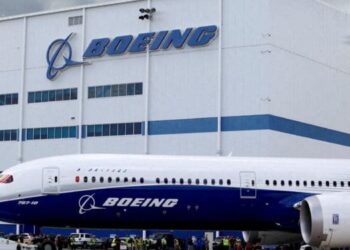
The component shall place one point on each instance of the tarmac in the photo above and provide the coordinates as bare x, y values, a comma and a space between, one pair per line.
7, 244
11, 245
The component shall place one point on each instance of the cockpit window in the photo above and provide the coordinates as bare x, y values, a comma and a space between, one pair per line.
6, 178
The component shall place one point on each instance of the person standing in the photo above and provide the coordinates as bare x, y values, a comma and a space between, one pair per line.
190, 244
93, 242
177, 244
164, 243
114, 243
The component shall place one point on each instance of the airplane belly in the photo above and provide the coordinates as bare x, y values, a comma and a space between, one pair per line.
171, 207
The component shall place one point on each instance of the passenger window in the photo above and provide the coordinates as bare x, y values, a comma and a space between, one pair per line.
348, 183
221, 182
158, 180
312, 183
290, 183
297, 183
141, 180
274, 182
205, 181
181, 181
125, 179
173, 180
282, 183
267, 182
342, 184
93, 179
85, 179
189, 181
334, 183
109, 179
101, 179
133, 179
166, 180
320, 183
253, 183
327, 183
197, 181
56, 179
305, 183
228, 182
117, 179
213, 181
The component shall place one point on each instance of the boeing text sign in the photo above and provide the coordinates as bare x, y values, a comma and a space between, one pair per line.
59, 53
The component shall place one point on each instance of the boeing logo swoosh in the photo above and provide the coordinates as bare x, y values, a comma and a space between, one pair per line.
87, 203
59, 57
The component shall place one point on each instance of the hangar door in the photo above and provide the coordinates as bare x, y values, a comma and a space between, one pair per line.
248, 185
50, 180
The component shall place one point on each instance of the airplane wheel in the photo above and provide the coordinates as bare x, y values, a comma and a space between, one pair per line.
48, 245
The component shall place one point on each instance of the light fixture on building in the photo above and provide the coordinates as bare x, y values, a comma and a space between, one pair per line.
148, 15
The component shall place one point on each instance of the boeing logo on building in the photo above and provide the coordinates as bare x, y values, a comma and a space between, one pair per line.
59, 57
87, 203
120, 45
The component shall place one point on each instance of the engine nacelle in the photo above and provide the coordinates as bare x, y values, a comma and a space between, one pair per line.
271, 237
325, 220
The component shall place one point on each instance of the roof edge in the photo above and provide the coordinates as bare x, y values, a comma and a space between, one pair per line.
79, 7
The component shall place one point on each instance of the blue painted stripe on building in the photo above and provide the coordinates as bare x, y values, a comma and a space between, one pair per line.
249, 122
237, 123
308, 130
182, 126
246, 122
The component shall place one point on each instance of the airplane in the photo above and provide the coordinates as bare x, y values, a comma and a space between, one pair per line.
276, 199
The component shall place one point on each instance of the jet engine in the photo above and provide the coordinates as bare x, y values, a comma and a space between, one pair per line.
325, 220
271, 237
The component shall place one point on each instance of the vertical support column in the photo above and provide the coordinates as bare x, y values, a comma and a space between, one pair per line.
81, 89
219, 93
21, 94
18, 227
147, 87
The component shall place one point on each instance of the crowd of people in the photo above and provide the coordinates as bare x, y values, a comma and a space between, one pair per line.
165, 242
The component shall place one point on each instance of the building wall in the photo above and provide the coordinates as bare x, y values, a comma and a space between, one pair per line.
274, 81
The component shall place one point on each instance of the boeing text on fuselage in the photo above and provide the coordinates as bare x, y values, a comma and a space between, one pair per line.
120, 45
87, 203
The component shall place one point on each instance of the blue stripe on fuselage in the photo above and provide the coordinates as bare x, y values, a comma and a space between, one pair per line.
198, 207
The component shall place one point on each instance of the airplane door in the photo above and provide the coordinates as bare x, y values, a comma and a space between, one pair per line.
50, 180
248, 185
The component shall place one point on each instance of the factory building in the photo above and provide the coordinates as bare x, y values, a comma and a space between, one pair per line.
180, 77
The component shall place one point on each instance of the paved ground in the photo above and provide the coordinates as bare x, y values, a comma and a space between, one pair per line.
7, 245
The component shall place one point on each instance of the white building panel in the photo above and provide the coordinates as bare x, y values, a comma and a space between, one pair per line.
182, 144
11, 45
181, 87
121, 144
274, 81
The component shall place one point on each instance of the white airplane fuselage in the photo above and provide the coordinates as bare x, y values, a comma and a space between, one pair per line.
139, 191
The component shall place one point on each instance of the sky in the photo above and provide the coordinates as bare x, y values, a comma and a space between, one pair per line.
16, 7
